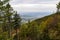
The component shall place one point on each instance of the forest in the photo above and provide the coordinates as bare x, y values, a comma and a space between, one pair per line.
11, 28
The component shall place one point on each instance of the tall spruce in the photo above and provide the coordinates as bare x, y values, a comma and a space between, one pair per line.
2, 12
17, 24
8, 16
58, 7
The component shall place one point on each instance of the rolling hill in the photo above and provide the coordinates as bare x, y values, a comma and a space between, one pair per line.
50, 25
53, 17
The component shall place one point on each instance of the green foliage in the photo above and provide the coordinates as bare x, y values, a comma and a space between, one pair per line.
17, 21
46, 28
6, 20
31, 32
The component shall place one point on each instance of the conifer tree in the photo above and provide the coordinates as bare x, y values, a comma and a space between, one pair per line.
17, 23
2, 12
8, 16
58, 7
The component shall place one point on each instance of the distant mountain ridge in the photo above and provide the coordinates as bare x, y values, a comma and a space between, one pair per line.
33, 15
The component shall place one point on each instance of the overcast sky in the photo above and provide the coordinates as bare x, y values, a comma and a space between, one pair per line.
34, 5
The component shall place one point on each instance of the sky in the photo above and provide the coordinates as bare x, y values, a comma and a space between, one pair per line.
34, 5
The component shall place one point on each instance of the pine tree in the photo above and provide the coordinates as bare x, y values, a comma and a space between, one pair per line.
3, 7
2, 12
6, 18
58, 7
17, 23
9, 18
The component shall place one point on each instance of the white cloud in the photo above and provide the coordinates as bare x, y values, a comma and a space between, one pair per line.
33, 1
34, 7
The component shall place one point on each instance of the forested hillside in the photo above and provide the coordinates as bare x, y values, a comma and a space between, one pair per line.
50, 25
11, 28
46, 28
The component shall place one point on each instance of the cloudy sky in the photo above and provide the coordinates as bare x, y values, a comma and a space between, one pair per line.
34, 5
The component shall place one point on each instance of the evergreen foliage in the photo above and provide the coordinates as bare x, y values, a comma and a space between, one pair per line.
11, 28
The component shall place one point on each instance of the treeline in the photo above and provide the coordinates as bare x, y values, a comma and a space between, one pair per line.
47, 28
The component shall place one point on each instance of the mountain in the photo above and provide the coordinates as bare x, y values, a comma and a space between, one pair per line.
33, 15
50, 25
